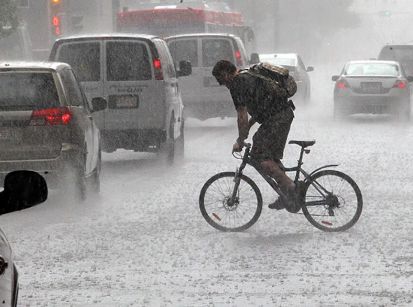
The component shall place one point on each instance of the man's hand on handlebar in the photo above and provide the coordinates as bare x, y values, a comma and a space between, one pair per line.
237, 147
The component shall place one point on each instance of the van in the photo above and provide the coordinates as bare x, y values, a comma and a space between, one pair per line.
400, 53
203, 97
136, 75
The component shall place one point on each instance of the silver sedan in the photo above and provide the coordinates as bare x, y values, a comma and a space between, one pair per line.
372, 87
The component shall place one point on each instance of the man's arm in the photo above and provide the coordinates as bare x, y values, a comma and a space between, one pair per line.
243, 124
243, 128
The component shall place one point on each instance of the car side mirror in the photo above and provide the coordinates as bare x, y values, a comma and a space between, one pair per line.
410, 78
334, 78
99, 104
22, 189
185, 69
255, 58
310, 68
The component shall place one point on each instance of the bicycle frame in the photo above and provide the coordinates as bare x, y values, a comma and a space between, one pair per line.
246, 159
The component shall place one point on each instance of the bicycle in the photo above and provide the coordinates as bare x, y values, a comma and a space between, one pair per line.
231, 201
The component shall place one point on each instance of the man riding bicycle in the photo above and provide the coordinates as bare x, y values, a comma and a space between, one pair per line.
271, 109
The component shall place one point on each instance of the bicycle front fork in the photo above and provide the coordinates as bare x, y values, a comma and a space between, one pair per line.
237, 180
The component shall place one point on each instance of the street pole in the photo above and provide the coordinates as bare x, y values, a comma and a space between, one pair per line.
115, 10
277, 24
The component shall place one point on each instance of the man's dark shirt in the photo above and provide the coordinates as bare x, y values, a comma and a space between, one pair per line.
250, 91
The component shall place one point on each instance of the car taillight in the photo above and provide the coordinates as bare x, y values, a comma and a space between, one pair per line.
400, 84
52, 116
341, 84
157, 66
238, 58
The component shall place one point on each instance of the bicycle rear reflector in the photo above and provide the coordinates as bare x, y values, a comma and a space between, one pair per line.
216, 216
327, 223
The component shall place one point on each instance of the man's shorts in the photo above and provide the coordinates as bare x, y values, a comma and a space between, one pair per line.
270, 139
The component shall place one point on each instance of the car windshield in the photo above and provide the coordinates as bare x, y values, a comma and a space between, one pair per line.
278, 60
372, 69
27, 91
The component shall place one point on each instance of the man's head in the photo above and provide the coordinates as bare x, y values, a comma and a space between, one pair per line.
224, 71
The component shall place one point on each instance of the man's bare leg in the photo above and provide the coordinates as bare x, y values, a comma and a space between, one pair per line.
286, 184
275, 171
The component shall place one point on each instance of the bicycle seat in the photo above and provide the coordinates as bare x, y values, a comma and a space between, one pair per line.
303, 144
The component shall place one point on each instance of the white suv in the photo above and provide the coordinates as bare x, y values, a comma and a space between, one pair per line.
203, 97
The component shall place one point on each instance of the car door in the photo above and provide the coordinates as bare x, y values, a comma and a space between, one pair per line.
133, 86
172, 90
187, 49
82, 118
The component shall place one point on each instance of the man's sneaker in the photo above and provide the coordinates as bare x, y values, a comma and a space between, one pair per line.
278, 204
294, 204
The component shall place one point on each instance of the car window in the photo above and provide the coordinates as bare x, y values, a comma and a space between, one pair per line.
127, 61
214, 50
184, 50
72, 90
279, 60
84, 59
27, 91
397, 53
373, 69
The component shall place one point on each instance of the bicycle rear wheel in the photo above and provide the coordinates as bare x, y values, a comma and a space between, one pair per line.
333, 201
217, 209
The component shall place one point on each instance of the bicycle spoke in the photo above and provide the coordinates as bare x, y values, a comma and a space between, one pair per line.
337, 210
227, 213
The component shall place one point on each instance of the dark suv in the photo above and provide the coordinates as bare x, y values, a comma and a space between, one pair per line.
400, 53
46, 124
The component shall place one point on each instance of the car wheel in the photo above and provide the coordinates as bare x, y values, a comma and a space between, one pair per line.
404, 112
339, 113
80, 184
74, 181
180, 142
307, 96
95, 180
168, 148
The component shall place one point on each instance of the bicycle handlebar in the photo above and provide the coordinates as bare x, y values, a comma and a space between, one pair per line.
238, 155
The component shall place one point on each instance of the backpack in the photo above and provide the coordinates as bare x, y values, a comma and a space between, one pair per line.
277, 74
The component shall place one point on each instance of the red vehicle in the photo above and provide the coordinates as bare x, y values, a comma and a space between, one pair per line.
170, 20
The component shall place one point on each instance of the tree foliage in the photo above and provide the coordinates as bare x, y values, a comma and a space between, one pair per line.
8, 17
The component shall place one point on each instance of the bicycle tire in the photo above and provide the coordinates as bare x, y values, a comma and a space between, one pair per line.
218, 222
328, 222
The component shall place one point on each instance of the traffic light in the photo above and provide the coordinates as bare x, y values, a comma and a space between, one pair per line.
385, 13
56, 16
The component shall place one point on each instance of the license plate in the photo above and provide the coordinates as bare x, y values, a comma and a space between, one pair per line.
124, 102
371, 87
210, 82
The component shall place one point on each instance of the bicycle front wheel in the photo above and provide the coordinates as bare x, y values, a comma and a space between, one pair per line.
227, 214
333, 201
